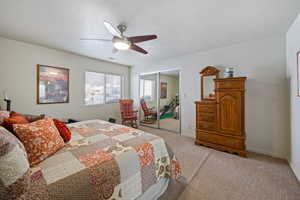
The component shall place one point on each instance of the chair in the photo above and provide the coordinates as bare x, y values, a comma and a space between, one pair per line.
128, 115
148, 112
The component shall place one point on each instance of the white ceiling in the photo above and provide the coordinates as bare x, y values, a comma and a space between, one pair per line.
174, 73
183, 26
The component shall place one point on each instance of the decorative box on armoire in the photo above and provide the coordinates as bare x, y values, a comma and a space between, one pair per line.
220, 115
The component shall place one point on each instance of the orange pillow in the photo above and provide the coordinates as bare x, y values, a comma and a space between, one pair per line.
64, 131
14, 118
40, 139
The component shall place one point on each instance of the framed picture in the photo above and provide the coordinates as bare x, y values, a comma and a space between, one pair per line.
298, 73
163, 90
52, 84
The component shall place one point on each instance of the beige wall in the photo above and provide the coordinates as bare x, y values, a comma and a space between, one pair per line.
18, 62
293, 46
264, 63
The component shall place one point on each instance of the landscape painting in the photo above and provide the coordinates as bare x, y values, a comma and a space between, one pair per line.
52, 84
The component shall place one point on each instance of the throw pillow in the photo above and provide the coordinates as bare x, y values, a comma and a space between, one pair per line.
33, 118
14, 118
3, 115
64, 131
40, 138
14, 167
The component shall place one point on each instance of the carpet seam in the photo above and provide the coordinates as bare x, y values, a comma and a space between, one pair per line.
198, 169
201, 164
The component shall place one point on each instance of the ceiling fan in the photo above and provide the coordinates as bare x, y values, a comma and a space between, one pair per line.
121, 42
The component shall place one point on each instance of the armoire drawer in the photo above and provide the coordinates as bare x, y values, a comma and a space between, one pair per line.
221, 140
230, 85
203, 125
206, 108
208, 117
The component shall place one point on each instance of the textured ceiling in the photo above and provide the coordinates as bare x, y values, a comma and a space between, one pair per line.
182, 26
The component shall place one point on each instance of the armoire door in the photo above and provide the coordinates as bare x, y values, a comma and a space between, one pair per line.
230, 112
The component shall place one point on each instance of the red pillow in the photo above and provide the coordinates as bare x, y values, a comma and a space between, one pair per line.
14, 118
64, 131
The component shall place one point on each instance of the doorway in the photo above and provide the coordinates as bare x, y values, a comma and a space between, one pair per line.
159, 95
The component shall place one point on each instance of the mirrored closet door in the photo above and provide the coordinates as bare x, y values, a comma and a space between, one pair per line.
159, 100
148, 100
169, 103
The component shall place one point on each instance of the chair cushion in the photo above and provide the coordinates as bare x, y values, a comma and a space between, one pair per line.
64, 131
40, 138
14, 118
14, 166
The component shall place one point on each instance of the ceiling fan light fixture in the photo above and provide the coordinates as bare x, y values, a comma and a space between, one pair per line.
122, 45
121, 42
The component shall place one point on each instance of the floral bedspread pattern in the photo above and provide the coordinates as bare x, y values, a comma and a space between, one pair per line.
103, 161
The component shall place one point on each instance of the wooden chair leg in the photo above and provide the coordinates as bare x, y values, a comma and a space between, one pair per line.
132, 123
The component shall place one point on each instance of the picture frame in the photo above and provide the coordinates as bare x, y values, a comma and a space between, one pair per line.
163, 90
52, 84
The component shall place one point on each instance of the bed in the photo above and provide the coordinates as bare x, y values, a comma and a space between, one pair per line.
105, 161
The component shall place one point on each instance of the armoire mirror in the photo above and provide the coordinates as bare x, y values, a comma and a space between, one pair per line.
208, 74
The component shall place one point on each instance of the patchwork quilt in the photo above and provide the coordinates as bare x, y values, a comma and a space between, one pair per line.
103, 161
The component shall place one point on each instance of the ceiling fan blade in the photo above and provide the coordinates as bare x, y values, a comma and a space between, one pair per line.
107, 40
138, 49
142, 38
112, 29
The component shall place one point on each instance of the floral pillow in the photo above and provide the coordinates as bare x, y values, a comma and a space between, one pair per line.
3, 115
40, 138
14, 166
14, 118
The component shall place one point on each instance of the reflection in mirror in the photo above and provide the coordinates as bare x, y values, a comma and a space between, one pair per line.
169, 102
208, 87
160, 100
148, 100
208, 74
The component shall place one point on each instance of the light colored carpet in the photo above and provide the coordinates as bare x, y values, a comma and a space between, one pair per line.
170, 124
213, 175
167, 123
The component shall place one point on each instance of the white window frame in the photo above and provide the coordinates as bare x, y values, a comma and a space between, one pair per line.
104, 73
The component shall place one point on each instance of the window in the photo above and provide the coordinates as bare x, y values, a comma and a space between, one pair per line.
113, 88
102, 88
147, 89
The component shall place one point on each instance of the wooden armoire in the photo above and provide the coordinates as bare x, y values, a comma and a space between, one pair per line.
220, 115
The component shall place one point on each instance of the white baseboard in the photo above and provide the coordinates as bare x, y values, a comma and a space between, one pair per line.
293, 167
295, 170
265, 152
